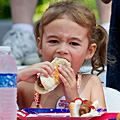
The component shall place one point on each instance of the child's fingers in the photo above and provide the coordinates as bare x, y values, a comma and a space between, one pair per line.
67, 73
46, 68
63, 79
70, 89
44, 72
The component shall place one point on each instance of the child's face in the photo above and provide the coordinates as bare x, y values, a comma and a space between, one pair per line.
65, 38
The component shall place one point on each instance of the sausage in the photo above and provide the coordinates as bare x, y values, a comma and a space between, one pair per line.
85, 107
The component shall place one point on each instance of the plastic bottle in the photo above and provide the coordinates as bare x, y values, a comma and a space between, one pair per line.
8, 85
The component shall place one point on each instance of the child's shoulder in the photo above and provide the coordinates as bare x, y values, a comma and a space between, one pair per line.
91, 78
89, 83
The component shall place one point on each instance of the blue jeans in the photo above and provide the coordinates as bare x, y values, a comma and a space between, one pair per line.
113, 70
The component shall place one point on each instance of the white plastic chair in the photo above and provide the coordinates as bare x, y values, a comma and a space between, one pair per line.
112, 98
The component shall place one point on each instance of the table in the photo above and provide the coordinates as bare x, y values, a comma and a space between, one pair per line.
102, 117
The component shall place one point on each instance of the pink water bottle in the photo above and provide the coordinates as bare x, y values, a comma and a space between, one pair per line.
8, 85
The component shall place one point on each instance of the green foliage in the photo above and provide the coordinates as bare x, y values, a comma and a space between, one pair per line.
40, 10
92, 5
5, 9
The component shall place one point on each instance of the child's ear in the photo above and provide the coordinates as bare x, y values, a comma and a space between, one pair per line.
91, 51
39, 43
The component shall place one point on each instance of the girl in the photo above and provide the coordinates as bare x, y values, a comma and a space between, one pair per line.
66, 30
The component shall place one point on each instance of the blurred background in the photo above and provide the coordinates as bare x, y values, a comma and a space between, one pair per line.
5, 14
41, 7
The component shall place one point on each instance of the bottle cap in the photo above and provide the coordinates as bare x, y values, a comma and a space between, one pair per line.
5, 48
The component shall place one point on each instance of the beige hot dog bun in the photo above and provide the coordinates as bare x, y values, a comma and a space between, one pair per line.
74, 108
51, 83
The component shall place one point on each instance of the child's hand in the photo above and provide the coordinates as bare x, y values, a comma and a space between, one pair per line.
68, 78
30, 73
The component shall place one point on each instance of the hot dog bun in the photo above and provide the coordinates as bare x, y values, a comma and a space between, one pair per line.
50, 83
83, 108
74, 107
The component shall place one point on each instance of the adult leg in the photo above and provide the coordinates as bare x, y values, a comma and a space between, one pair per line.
22, 10
21, 37
104, 13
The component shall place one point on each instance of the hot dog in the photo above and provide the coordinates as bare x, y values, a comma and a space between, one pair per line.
83, 108
44, 84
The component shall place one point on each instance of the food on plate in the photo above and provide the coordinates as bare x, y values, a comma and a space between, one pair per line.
83, 108
44, 84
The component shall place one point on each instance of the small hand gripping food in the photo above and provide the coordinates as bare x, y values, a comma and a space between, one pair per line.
44, 84
83, 108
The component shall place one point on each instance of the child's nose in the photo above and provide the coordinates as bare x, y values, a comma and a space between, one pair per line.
63, 49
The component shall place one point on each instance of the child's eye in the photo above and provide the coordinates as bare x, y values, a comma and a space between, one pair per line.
74, 43
53, 41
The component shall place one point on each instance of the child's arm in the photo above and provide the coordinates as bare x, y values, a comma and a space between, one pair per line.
68, 78
25, 94
97, 92
29, 74
26, 78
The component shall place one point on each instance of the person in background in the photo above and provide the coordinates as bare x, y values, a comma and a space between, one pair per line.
104, 11
113, 51
21, 37
71, 30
